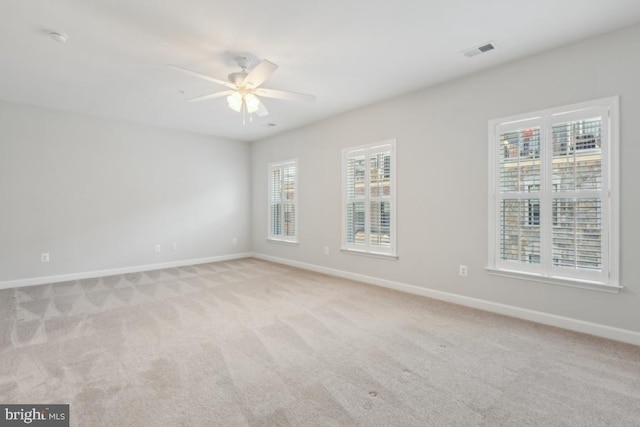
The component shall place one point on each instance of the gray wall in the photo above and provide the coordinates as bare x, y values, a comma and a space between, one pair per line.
442, 178
98, 194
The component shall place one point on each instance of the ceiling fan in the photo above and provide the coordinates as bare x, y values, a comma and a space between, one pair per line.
244, 88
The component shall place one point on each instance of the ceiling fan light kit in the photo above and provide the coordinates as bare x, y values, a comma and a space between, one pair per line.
243, 96
251, 102
235, 101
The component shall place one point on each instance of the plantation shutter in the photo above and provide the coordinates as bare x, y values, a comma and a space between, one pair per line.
356, 200
380, 198
276, 202
289, 200
519, 195
551, 209
369, 199
283, 201
577, 197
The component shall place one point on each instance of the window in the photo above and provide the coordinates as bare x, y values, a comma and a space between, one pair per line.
553, 208
369, 199
283, 201
534, 213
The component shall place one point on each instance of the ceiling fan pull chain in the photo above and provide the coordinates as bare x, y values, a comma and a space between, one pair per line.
244, 113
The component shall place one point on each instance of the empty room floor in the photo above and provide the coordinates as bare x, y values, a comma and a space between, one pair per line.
249, 342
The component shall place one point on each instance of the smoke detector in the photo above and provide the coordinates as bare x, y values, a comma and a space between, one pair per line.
59, 37
477, 50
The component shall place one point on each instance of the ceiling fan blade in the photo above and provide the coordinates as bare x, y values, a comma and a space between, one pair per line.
203, 76
260, 73
262, 110
282, 94
211, 96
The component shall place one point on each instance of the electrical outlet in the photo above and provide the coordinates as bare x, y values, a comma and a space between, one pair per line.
157, 248
174, 246
235, 240
44, 257
326, 250
463, 270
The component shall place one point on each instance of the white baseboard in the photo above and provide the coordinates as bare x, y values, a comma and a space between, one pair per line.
617, 334
110, 272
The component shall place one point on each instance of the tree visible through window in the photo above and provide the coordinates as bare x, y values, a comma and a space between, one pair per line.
552, 211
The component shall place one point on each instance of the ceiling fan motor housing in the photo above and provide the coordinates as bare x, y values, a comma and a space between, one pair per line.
237, 78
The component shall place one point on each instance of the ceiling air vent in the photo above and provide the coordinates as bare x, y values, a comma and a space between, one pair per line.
479, 49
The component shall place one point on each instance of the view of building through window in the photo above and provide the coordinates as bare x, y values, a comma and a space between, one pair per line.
283, 201
369, 200
550, 199
576, 165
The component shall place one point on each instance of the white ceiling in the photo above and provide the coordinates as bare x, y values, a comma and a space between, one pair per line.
349, 53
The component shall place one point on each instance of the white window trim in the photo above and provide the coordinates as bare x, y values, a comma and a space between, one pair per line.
367, 250
281, 238
610, 280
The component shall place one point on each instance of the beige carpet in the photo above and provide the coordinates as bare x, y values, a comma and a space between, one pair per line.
249, 342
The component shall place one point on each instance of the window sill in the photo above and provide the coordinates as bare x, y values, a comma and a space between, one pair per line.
573, 283
369, 254
283, 242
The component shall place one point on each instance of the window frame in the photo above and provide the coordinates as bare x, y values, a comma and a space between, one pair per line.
367, 249
282, 238
606, 279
